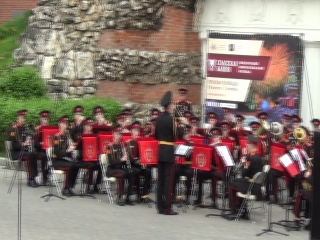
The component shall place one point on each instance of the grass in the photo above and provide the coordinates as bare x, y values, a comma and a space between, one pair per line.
9, 32
2, 154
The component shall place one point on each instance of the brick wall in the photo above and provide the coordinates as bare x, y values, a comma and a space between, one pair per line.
8, 7
143, 93
176, 35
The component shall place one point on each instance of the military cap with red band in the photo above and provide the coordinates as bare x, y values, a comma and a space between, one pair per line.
183, 91
252, 140
315, 122
44, 113
262, 115
215, 131
187, 114
77, 109
121, 116
117, 128
135, 124
286, 117
240, 118
225, 125
98, 109
212, 115
63, 119
296, 119
254, 125
127, 111
22, 112
88, 121
194, 120
155, 111
187, 128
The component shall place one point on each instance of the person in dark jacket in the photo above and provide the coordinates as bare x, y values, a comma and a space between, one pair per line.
166, 131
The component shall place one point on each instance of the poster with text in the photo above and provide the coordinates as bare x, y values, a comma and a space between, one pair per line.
253, 73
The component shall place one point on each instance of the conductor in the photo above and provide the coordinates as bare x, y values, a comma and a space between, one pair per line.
166, 131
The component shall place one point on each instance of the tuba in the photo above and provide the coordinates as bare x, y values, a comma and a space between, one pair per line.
299, 134
265, 127
276, 128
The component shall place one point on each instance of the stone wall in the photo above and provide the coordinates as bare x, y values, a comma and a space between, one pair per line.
65, 39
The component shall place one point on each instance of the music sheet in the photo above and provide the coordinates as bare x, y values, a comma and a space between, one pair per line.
224, 153
305, 155
296, 156
285, 160
183, 150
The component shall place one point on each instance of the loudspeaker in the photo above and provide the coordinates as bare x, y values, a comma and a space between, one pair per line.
315, 211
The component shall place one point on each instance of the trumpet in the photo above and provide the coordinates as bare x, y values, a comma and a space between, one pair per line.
299, 134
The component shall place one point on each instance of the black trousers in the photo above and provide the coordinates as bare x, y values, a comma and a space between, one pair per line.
165, 186
242, 185
201, 177
124, 173
91, 166
71, 173
303, 195
145, 172
42, 156
32, 164
183, 170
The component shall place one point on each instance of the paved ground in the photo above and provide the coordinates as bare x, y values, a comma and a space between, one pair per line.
82, 218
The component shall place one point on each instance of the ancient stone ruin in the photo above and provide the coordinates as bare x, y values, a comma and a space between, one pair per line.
62, 38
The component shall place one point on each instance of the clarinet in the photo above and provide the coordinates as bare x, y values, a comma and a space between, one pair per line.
29, 137
70, 143
124, 153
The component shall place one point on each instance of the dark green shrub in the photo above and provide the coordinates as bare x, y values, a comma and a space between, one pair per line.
22, 83
9, 107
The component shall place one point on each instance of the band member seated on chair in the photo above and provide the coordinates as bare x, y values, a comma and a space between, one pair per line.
166, 132
128, 119
212, 121
254, 127
91, 166
134, 156
76, 127
252, 164
41, 153
154, 113
305, 194
215, 135
239, 123
194, 123
120, 166
228, 117
182, 104
21, 139
225, 128
63, 156
150, 128
187, 115
185, 170
287, 130
121, 118
98, 115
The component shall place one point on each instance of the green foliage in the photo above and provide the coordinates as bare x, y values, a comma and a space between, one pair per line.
10, 106
22, 83
9, 32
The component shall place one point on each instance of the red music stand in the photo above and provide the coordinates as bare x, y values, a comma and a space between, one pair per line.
47, 135
201, 157
89, 147
243, 144
148, 149
104, 140
276, 151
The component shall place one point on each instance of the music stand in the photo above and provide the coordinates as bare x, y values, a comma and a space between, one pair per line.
223, 156
148, 152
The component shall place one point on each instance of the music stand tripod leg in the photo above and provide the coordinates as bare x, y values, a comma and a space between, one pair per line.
50, 194
270, 224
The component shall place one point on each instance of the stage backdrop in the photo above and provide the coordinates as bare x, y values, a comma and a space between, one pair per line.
253, 73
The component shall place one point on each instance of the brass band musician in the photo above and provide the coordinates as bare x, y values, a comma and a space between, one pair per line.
121, 120
64, 155
21, 139
76, 127
98, 115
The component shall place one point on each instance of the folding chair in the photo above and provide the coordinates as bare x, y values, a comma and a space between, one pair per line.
11, 164
107, 181
52, 174
248, 198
